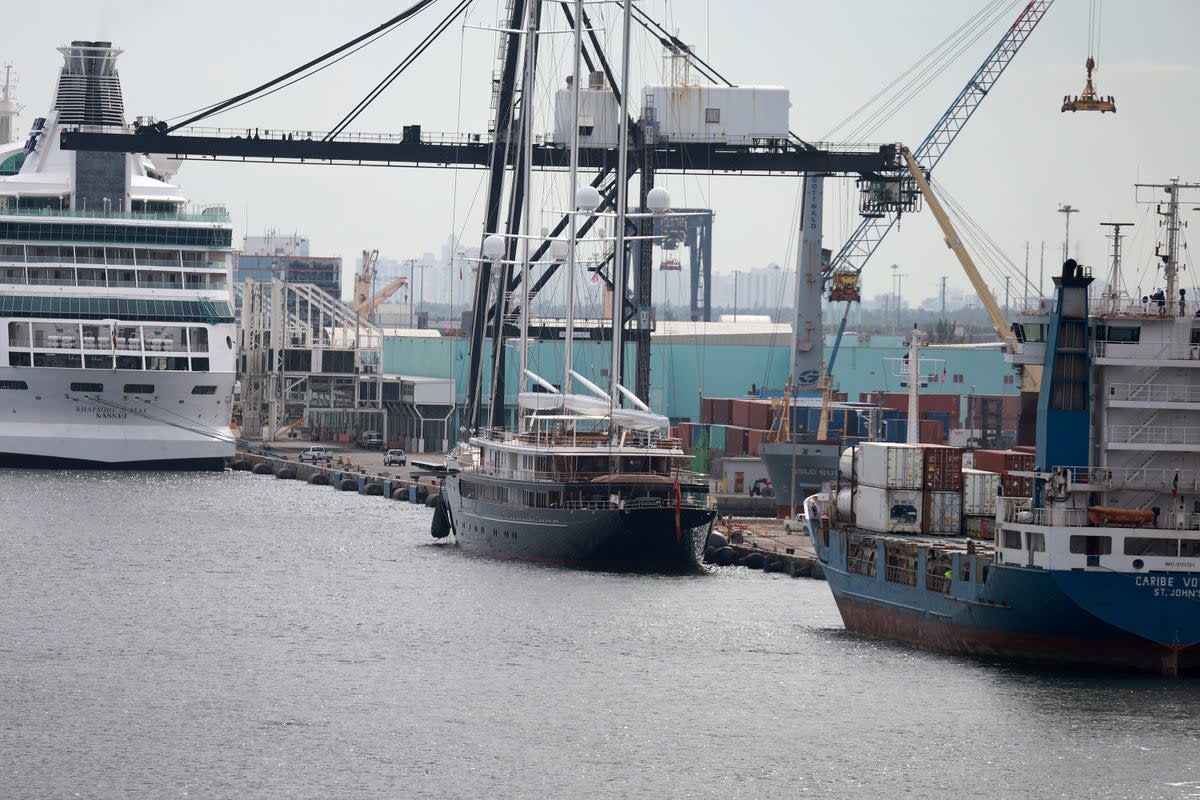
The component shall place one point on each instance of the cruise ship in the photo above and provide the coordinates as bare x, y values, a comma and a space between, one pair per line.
117, 337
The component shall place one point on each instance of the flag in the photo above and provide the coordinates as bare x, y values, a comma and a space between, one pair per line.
1175, 485
943, 376
678, 510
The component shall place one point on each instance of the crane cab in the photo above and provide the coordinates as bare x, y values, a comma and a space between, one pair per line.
1089, 100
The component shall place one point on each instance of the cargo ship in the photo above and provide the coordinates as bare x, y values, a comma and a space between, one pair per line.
1095, 561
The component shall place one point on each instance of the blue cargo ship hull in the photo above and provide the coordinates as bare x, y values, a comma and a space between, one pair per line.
1076, 618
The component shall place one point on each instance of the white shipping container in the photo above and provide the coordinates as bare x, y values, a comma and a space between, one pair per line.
979, 492
943, 513
888, 465
730, 114
888, 510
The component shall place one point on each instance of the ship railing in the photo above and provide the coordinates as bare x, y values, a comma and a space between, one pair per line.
1154, 392
937, 583
1154, 434
686, 477
901, 575
1140, 478
1169, 351
1057, 517
861, 566
189, 214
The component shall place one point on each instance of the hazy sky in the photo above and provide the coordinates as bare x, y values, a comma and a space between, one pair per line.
1017, 160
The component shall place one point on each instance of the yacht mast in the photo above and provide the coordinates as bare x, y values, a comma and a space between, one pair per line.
618, 298
572, 222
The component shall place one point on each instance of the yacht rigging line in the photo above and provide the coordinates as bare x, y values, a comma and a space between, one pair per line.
399, 69
399, 19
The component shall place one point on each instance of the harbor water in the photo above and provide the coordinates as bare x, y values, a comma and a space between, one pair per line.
232, 635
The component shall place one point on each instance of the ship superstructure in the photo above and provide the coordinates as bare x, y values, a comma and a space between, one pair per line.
116, 317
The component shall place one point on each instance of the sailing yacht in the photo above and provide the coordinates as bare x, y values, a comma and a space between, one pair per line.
116, 312
582, 480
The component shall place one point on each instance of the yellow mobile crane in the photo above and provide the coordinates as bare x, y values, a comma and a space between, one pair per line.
1031, 375
366, 299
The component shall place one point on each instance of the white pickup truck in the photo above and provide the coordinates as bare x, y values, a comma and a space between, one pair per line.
315, 453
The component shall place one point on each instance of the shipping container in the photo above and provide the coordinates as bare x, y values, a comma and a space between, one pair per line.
739, 413
888, 510
735, 441
684, 433
979, 527
707, 405
760, 415
891, 466
931, 432
943, 513
940, 416
1003, 461
1016, 487
722, 411
895, 431
943, 404
979, 492
716, 437
754, 440
942, 468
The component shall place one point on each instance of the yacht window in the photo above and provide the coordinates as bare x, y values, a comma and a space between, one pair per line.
1012, 540
1147, 546
204, 390
139, 388
1037, 541
19, 360
87, 387
15, 385
1091, 545
1189, 548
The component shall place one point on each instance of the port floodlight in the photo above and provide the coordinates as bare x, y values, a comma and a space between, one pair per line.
658, 200
559, 249
493, 247
587, 198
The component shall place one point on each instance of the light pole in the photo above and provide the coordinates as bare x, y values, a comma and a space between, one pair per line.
1067, 210
735, 288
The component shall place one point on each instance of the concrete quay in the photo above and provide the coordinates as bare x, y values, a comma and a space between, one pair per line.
349, 469
764, 544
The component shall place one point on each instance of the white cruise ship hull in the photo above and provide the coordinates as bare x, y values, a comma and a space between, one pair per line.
49, 425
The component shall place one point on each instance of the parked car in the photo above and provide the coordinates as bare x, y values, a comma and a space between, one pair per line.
394, 458
371, 440
315, 453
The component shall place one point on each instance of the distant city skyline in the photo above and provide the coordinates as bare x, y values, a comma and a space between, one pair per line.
1015, 163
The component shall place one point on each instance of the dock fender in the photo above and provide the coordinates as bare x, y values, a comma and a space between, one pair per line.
372, 489
715, 541
286, 474
240, 466
262, 468
347, 485
319, 479
440, 527
422, 495
723, 556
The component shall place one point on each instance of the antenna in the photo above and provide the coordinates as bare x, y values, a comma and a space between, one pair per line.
1113, 293
1068, 210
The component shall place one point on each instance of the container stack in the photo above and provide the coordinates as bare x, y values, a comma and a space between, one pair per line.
889, 496
1005, 462
943, 489
979, 503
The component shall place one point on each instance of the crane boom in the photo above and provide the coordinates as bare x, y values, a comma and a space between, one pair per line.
1031, 375
870, 231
